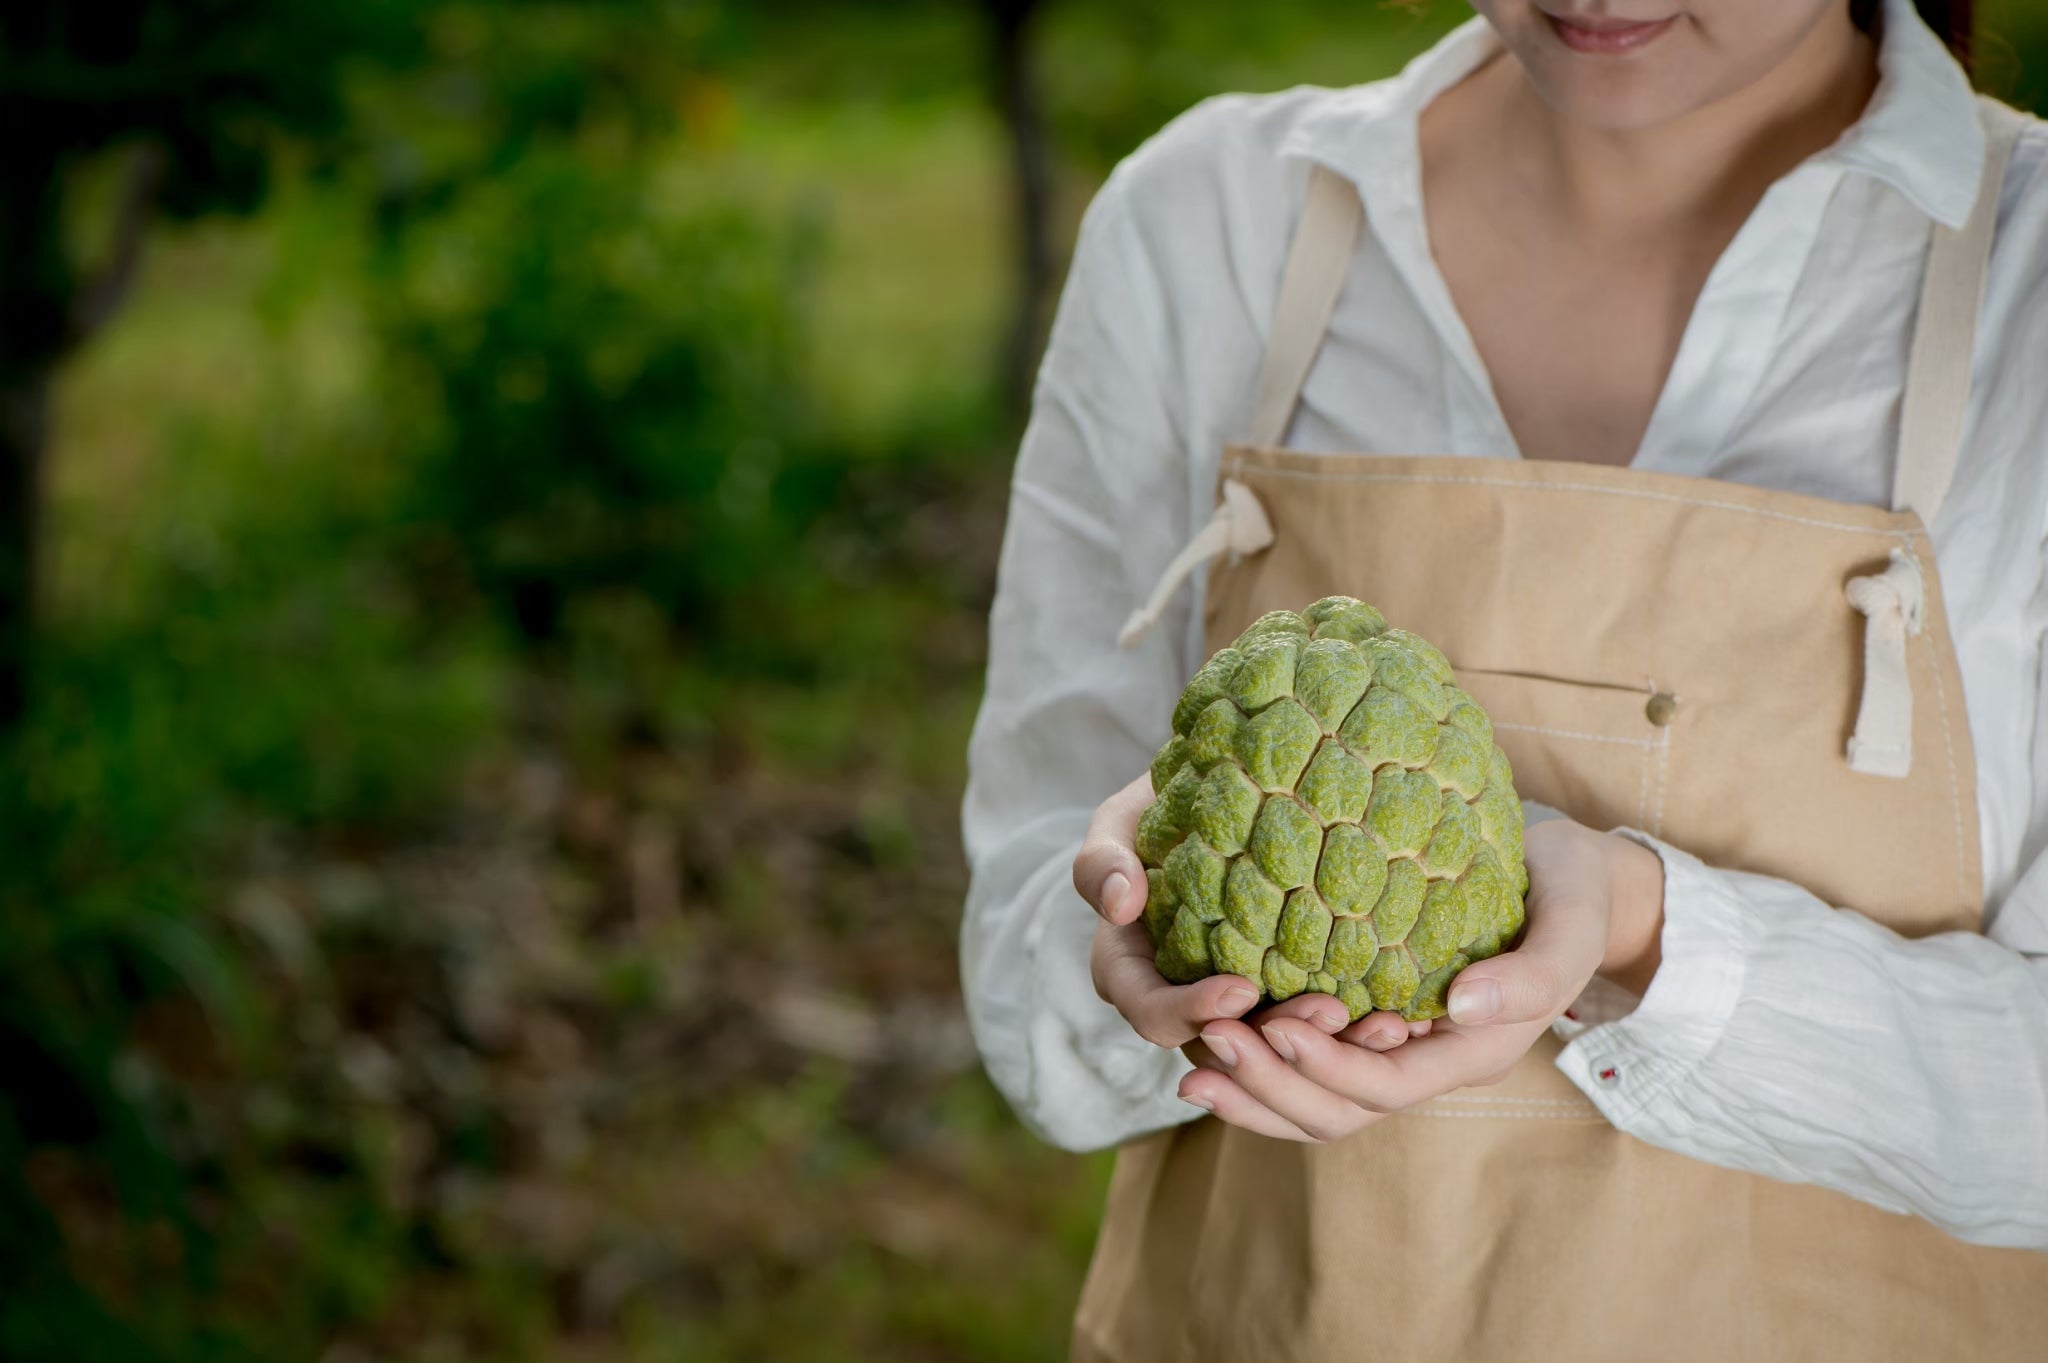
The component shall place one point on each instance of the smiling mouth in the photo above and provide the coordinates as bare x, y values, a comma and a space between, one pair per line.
1607, 37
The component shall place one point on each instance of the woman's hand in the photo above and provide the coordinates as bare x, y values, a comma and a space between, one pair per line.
1595, 905
1110, 877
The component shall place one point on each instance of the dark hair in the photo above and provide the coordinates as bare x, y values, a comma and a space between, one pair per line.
1949, 18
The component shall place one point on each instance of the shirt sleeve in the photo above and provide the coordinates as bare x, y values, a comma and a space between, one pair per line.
1787, 1038
1100, 501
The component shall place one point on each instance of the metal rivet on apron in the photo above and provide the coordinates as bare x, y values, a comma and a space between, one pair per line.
1663, 705
1608, 1074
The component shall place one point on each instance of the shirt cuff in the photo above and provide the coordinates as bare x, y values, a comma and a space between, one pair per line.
1625, 1065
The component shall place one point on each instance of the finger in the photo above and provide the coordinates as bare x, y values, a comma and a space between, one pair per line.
1107, 872
1375, 1082
1318, 1010
1381, 1031
1216, 1092
1419, 1027
1244, 1054
1164, 1013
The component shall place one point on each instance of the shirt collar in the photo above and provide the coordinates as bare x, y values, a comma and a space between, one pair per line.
1920, 133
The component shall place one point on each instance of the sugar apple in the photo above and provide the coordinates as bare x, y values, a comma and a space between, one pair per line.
1333, 816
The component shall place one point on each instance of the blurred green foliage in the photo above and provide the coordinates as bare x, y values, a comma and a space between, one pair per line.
481, 867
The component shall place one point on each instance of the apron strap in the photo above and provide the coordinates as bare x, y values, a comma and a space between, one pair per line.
1937, 397
1937, 393
1309, 285
1316, 265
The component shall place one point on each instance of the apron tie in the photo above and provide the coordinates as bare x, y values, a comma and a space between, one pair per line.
1238, 527
1891, 602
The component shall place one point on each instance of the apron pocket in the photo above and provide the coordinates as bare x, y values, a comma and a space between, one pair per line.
1597, 751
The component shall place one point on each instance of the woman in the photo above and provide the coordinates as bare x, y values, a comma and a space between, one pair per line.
1701, 354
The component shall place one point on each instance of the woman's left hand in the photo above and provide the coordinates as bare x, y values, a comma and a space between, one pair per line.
1595, 905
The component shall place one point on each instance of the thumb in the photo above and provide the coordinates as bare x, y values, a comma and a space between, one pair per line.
1520, 986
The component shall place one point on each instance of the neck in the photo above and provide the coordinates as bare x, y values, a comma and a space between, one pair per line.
1716, 160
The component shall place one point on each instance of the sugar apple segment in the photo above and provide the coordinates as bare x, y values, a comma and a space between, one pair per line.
1321, 982
1397, 666
1286, 842
1431, 989
1459, 762
1208, 684
1276, 743
1400, 903
1344, 617
1233, 954
1337, 786
1194, 871
1225, 807
1386, 727
1267, 672
1440, 928
1284, 979
1353, 871
1213, 737
1431, 658
1184, 955
1465, 714
1355, 997
1304, 930
1330, 677
1252, 903
1456, 839
1273, 624
1403, 811
1392, 979
1170, 759
1167, 819
1351, 948
1160, 903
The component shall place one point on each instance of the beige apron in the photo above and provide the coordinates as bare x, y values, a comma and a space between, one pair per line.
1763, 678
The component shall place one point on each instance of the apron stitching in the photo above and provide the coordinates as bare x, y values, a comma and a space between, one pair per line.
1240, 466
1955, 799
1643, 743
1663, 772
1643, 790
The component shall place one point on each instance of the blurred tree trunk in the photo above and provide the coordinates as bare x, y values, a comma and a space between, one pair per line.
1017, 98
50, 313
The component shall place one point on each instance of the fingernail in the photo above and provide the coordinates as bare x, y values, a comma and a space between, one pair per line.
1474, 1000
1332, 1023
1225, 1053
1278, 1041
1197, 1100
1237, 1000
1384, 1040
1114, 888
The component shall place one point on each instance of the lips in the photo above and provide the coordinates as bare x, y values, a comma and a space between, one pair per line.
1603, 36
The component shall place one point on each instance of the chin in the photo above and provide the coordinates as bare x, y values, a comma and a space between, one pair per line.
1613, 96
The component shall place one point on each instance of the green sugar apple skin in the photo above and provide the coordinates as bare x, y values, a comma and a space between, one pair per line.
1332, 816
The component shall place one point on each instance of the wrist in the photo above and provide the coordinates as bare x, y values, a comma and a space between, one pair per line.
1635, 917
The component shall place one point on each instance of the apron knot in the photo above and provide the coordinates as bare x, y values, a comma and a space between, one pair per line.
1238, 527
1892, 603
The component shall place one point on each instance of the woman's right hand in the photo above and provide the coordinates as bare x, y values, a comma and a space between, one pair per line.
1110, 877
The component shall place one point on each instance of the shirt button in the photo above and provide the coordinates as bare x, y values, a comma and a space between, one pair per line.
1608, 1073
1662, 708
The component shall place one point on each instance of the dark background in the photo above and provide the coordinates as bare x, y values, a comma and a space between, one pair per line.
512, 493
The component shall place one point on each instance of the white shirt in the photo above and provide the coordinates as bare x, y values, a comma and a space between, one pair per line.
1780, 1036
